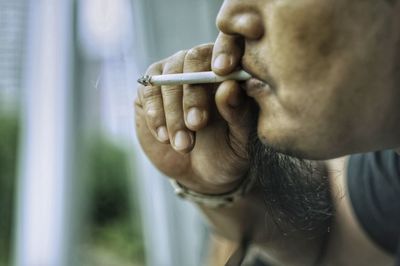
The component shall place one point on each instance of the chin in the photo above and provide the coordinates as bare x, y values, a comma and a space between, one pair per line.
289, 150
302, 139
299, 147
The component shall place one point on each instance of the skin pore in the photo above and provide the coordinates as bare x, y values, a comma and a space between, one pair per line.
333, 68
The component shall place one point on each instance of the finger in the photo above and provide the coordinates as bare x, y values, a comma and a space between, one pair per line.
152, 102
138, 100
196, 96
227, 53
182, 139
235, 108
145, 137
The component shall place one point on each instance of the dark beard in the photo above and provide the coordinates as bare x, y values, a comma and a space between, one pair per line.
297, 192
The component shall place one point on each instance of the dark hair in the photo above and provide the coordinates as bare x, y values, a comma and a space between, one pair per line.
297, 192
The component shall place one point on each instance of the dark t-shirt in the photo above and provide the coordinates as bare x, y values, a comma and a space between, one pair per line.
374, 188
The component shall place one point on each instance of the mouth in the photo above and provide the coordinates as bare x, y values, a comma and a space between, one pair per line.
256, 86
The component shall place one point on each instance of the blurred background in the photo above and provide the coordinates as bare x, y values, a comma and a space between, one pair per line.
75, 188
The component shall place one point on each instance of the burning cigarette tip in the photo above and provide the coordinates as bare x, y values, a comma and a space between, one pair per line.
145, 80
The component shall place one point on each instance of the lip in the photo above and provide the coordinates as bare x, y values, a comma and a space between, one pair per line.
256, 83
255, 87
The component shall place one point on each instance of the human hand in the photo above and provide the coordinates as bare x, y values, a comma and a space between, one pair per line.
196, 134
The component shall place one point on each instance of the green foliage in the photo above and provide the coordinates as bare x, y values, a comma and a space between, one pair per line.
8, 158
108, 178
114, 224
115, 220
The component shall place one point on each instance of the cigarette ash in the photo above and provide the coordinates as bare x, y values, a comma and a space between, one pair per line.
145, 80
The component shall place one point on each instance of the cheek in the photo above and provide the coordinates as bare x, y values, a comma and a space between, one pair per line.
302, 40
307, 54
308, 133
321, 61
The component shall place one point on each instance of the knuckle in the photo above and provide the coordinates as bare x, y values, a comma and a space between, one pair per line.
195, 98
195, 54
154, 121
172, 67
151, 93
137, 102
198, 58
179, 54
140, 89
172, 107
154, 114
173, 111
154, 67
172, 91
174, 64
139, 95
199, 53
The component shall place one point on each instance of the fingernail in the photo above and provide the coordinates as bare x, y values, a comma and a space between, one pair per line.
222, 61
162, 134
194, 117
182, 140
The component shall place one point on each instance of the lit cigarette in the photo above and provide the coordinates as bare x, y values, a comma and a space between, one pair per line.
192, 78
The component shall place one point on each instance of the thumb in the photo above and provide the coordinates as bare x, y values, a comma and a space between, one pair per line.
227, 53
235, 108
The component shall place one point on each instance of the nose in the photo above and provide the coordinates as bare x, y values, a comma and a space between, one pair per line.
239, 17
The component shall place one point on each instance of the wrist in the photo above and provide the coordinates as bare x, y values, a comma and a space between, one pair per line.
206, 198
208, 188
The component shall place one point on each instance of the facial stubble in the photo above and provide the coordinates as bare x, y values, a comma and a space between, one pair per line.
296, 191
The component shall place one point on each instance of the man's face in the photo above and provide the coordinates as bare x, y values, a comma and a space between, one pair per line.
332, 66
